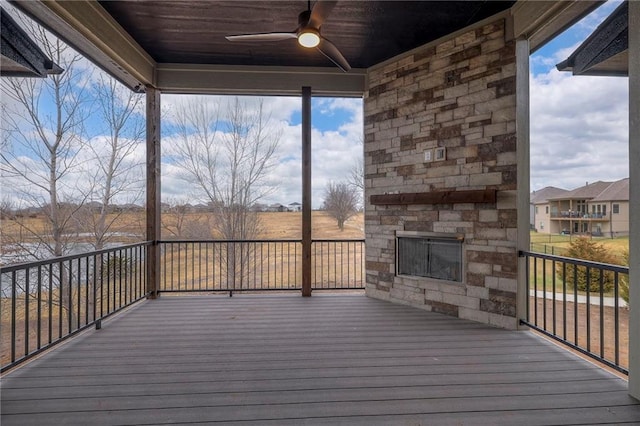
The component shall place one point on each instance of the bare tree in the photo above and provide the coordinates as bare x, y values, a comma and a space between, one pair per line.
356, 178
114, 172
43, 124
180, 221
340, 201
43, 129
225, 158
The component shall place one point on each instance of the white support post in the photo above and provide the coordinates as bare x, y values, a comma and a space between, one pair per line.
634, 199
522, 149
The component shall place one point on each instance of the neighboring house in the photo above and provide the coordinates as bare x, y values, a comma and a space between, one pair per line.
539, 208
600, 208
295, 207
259, 207
277, 207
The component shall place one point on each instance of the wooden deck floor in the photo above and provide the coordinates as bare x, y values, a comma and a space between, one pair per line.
285, 360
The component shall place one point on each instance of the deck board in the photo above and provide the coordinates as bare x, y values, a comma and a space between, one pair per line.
330, 359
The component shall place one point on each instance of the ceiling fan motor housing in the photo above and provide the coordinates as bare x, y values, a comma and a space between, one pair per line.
303, 19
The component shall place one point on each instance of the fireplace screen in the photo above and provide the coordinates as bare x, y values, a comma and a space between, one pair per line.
429, 256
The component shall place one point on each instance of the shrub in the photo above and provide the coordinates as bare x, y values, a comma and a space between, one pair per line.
587, 249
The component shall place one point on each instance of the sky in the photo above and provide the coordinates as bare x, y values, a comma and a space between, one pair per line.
337, 125
579, 125
579, 129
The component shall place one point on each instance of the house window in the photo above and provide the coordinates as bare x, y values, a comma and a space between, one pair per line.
429, 255
615, 208
604, 210
546, 209
536, 209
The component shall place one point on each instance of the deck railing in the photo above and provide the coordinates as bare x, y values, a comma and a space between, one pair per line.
46, 302
43, 303
264, 265
579, 303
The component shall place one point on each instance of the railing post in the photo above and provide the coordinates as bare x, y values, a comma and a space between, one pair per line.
153, 191
634, 199
306, 191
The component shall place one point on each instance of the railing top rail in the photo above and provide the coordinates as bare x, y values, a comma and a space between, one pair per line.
24, 265
579, 262
337, 240
228, 241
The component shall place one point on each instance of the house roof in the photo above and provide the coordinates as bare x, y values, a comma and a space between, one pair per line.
605, 51
541, 196
20, 56
598, 191
617, 191
586, 192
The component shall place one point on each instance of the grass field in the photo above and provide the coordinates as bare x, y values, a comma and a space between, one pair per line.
559, 244
543, 272
130, 227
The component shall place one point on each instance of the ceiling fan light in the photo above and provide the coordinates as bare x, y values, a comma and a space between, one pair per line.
308, 38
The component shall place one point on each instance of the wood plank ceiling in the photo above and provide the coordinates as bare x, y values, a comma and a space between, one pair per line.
366, 32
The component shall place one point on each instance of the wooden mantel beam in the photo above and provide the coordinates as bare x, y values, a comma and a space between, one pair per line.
437, 197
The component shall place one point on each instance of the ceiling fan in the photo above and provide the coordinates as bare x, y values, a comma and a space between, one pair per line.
308, 33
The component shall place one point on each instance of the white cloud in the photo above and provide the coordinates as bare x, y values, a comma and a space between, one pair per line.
333, 151
579, 129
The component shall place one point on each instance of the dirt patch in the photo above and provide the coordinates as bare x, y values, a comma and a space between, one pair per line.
591, 327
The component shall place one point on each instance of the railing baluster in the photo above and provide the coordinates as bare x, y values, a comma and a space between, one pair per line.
575, 304
535, 290
564, 300
553, 283
60, 296
601, 313
26, 311
50, 307
14, 295
544, 294
335, 263
588, 308
86, 291
95, 285
101, 284
616, 315
527, 268
70, 307
79, 296
39, 313
193, 266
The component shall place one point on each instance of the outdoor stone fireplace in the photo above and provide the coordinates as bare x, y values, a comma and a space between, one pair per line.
440, 177
429, 255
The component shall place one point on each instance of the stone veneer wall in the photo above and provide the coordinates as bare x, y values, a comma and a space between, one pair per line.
458, 94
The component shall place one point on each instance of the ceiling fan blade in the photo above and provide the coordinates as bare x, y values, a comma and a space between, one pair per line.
329, 50
321, 9
261, 37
